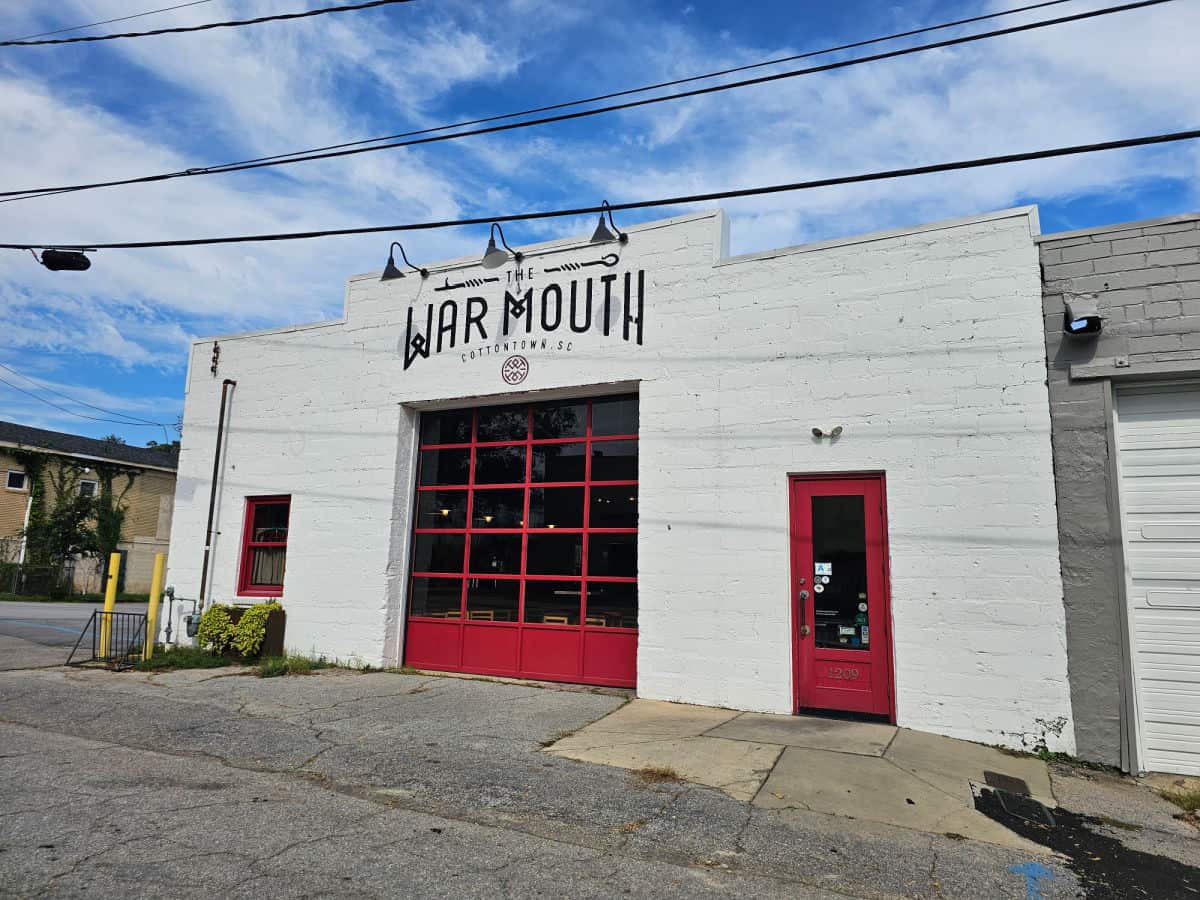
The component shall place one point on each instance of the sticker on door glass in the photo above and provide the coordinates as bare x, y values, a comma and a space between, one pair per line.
862, 607
819, 588
823, 568
866, 634
846, 630
824, 579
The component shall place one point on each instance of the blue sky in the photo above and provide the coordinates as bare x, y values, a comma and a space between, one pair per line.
117, 336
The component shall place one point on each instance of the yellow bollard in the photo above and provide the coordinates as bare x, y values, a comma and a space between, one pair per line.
110, 600
156, 586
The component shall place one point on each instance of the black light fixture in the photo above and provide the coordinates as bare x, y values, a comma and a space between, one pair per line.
494, 257
1081, 317
64, 260
390, 271
603, 234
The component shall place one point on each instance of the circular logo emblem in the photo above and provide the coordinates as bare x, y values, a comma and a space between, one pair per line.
515, 369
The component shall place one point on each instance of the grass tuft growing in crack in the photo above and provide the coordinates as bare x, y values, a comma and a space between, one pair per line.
556, 737
629, 827
656, 774
1188, 801
275, 666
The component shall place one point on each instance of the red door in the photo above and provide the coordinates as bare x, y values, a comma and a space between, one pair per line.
840, 605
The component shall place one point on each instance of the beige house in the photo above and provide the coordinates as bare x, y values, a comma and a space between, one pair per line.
149, 502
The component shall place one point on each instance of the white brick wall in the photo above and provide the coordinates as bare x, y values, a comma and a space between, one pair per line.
925, 345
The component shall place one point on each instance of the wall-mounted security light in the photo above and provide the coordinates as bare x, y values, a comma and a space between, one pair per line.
1081, 317
390, 271
64, 260
834, 432
494, 257
603, 234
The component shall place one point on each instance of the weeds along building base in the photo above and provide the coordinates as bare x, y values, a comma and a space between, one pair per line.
817, 477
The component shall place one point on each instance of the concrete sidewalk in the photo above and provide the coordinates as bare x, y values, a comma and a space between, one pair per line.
860, 770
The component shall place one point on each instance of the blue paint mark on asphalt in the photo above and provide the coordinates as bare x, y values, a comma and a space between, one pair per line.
74, 630
1033, 872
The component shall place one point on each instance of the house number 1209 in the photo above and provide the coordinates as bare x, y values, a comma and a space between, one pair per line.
839, 673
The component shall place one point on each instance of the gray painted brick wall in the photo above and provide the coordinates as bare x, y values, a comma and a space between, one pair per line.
1145, 278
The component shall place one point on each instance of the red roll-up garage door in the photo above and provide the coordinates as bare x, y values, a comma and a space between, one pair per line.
524, 550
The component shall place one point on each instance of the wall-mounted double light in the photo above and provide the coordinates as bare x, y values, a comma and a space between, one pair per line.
494, 257
390, 271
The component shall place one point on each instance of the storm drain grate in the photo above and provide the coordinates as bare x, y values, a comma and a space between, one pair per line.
1023, 807
1004, 782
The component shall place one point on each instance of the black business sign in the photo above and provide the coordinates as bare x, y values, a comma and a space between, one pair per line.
513, 308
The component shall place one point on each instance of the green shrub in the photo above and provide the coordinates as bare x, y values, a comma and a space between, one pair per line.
219, 633
275, 666
180, 658
216, 629
251, 628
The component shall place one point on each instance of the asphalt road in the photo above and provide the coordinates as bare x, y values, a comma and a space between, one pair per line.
213, 783
33, 635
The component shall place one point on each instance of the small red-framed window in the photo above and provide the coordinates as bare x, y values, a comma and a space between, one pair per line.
264, 546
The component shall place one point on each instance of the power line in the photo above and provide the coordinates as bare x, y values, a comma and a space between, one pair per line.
236, 23
662, 84
640, 204
150, 12
72, 412
304, 156
112, 412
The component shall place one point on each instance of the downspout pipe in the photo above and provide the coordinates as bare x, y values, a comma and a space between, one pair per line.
212, 497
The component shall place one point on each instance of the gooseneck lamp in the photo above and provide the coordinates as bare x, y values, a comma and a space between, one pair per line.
390, 271
494, 257
603, 233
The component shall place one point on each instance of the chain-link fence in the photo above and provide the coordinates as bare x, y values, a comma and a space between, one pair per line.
44, 581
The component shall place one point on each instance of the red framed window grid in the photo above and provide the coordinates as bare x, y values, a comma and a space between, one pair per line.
614, 673
249, 545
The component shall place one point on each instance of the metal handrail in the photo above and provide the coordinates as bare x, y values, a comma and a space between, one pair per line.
118, 639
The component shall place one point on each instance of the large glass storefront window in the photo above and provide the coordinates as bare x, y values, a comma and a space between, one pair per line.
527, 515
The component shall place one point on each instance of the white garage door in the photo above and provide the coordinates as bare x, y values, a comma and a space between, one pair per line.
1158, 435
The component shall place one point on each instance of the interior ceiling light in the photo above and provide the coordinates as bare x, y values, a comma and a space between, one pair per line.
390, 271
64, 260
494, 257
603, 234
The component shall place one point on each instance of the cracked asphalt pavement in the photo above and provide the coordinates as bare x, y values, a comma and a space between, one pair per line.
195, 784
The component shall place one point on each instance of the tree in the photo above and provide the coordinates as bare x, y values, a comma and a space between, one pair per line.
59, 525
169, 446
115, 481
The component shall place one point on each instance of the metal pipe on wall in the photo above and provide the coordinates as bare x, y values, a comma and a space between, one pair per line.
212, 497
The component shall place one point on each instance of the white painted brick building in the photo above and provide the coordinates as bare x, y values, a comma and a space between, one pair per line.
924, 345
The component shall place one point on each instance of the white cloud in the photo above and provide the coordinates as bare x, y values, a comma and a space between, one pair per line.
1121, 76
168, 103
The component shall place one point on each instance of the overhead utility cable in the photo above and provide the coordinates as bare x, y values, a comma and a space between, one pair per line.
696, 92
112, 412
639, 204
149, 12
183, 29
80, 415
662, 84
